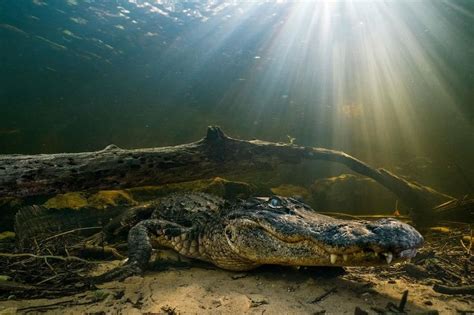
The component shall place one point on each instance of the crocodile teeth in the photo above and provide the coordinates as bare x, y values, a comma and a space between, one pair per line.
388, 257
333, 258
345, 257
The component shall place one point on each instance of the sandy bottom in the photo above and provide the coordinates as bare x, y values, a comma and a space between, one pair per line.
268, 290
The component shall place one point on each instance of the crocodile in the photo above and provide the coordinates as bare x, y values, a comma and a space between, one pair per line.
246, 234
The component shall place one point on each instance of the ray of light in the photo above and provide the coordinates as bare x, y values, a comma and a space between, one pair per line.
365, 75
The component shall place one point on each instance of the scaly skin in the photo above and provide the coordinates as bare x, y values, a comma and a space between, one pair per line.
275, 230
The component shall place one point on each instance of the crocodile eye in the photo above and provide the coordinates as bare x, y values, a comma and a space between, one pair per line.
275, 202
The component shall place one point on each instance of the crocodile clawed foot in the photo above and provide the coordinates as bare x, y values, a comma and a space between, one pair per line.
118, 274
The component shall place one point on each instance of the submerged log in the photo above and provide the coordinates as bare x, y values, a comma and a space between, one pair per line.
214, 155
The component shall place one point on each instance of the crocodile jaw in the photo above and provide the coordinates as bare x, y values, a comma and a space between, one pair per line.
261, 242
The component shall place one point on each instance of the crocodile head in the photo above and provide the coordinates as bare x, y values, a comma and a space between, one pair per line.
284, 231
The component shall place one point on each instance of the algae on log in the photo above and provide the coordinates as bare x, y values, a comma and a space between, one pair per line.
214, 155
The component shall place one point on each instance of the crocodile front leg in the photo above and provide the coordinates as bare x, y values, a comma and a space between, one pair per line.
139, 247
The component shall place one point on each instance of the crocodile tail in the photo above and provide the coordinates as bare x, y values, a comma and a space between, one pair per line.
29, 222
35, 223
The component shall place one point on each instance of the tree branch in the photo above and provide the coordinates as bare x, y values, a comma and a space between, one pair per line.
214, 155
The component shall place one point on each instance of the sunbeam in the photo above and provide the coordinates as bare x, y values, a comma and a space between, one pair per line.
387, 81
358, 75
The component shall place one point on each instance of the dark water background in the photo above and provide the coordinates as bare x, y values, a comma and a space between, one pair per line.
391, 82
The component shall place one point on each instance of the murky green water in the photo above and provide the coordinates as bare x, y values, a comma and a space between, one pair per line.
389, 82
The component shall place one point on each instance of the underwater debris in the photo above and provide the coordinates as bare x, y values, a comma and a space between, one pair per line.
440, 229
216, 154
72, 200
324, 295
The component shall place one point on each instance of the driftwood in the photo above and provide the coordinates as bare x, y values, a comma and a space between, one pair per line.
214, 155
